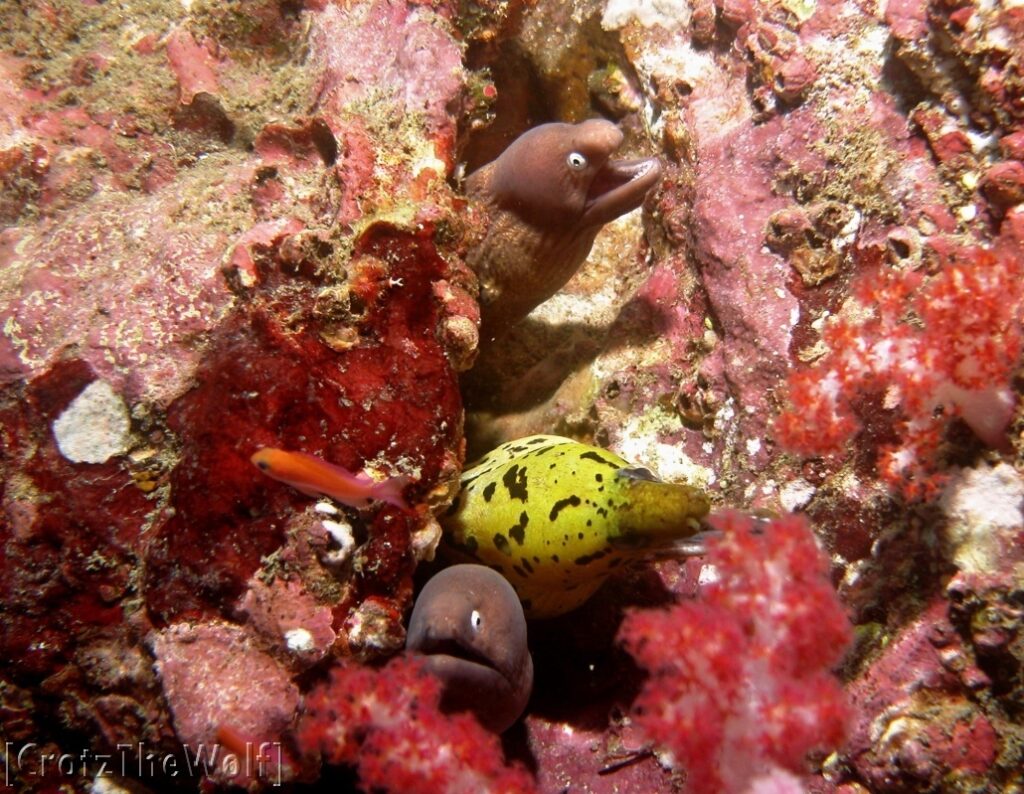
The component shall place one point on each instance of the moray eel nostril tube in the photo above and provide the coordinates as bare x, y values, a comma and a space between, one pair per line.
468, 624
547, 196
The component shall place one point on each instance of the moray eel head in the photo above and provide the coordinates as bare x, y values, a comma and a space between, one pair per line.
563, 174
547, 196
557, 518
469, 625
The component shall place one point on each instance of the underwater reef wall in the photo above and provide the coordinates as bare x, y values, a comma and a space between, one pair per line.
226, 227
234, 225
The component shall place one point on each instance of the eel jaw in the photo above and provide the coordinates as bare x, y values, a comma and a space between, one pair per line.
466, 680
620, 186
472, 683
450, 653
451, 646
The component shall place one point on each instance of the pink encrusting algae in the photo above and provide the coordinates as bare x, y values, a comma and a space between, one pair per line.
739, 679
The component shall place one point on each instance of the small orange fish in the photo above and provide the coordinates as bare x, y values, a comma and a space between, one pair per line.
316, 477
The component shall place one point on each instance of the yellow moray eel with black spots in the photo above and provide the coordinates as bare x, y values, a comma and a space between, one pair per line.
556, 517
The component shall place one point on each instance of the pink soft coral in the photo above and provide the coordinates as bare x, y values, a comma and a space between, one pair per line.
387, 722
739, 687
931, 346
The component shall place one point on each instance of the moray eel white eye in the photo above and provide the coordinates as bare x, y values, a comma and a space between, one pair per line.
476, 620
576, 161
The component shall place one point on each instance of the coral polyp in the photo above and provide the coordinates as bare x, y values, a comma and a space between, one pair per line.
739, 685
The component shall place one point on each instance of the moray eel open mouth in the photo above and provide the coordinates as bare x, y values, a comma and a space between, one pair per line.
620, 186
469, 677
546, 198
451, 648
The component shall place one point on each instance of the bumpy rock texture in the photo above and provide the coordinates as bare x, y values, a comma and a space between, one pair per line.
819, 311
225, 227
229, 225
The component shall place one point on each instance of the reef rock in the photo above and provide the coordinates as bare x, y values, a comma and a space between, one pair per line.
224, 227
233, 225
837, 209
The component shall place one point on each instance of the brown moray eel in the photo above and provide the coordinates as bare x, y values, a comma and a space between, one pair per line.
547, 196
469, 625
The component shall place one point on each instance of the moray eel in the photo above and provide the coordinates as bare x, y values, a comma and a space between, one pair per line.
557, 517
469, 625
316, 477
546, 197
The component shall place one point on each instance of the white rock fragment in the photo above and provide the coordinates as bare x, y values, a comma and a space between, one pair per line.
981, 505
341, 533
669, 14
425, 540
848, 233
709, 574
94, 427
326, 508
967, 213
298, 640
795, 494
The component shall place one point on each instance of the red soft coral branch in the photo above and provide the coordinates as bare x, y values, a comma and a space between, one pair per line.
933, 347
387, 722
739, 681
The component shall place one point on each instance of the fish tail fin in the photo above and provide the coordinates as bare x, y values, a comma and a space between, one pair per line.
390, 491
